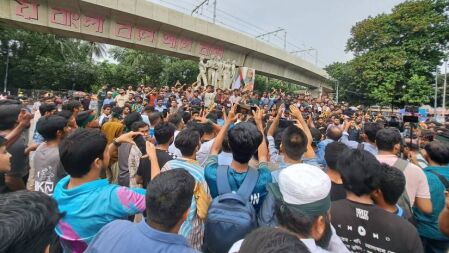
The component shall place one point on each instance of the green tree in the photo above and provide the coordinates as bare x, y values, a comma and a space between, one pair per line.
396, 53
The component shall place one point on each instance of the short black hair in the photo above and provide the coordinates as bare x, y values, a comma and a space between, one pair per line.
107, 106
371, 129
163, 132
438, 152
137, 125
148, 108
131, 118
28, 221
225, 145
387, 138
196, 126
48, 127
392, 183
212, 117
244, 140
360, 171
65, 113
117, 112
154, 118
186, 117
316, 136
208, 128
9, 112
334, 133
175, 119
332, 153
296, 222
294, 142
169, 196
44, 108
71, 105
79, 150
187, 140
271, 240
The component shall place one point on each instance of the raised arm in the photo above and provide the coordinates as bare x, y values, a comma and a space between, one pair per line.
229, 119
124, 138
294, 111
274, 125
24, 119
151, 151
263, 148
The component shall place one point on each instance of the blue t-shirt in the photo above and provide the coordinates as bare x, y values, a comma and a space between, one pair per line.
235, 179
89, 207
124, 236
427, 225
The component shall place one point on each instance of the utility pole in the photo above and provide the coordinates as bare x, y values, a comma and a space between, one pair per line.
285, 40
308, 50
435, 103
195, 10
215, 10
275, 32
444, 89
336, 99
5, 82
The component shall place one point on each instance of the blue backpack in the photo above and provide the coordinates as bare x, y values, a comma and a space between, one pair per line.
231, 215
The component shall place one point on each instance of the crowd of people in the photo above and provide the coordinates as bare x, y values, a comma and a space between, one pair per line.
199, 169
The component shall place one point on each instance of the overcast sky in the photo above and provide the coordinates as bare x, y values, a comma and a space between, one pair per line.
321, 24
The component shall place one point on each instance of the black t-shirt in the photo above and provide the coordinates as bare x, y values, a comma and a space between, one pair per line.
144, 169
368, 228
338, 192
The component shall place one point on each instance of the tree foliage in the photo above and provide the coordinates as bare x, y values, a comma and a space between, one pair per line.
396, 54
46, 61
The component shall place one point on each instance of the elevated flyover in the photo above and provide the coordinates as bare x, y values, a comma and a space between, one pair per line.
144, 25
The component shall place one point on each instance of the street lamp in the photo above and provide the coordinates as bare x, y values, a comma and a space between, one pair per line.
8, 54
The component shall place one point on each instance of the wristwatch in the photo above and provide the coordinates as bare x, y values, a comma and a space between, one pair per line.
117, 144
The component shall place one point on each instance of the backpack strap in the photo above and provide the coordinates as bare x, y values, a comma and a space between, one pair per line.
222, 180
401, 164
250, 181
443, 180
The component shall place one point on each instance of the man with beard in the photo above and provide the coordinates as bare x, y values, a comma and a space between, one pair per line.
300, 203
363, 226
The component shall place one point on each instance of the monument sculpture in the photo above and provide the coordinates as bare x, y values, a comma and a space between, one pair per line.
216, 72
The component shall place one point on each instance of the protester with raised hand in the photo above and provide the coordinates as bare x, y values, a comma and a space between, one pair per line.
89, 202
244, 140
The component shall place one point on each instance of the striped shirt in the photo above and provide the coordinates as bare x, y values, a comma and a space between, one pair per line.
193, 227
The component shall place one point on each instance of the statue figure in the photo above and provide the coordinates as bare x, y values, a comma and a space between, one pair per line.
215, 72
202, 66
210, 71
226, 75
234, 72
219, 75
